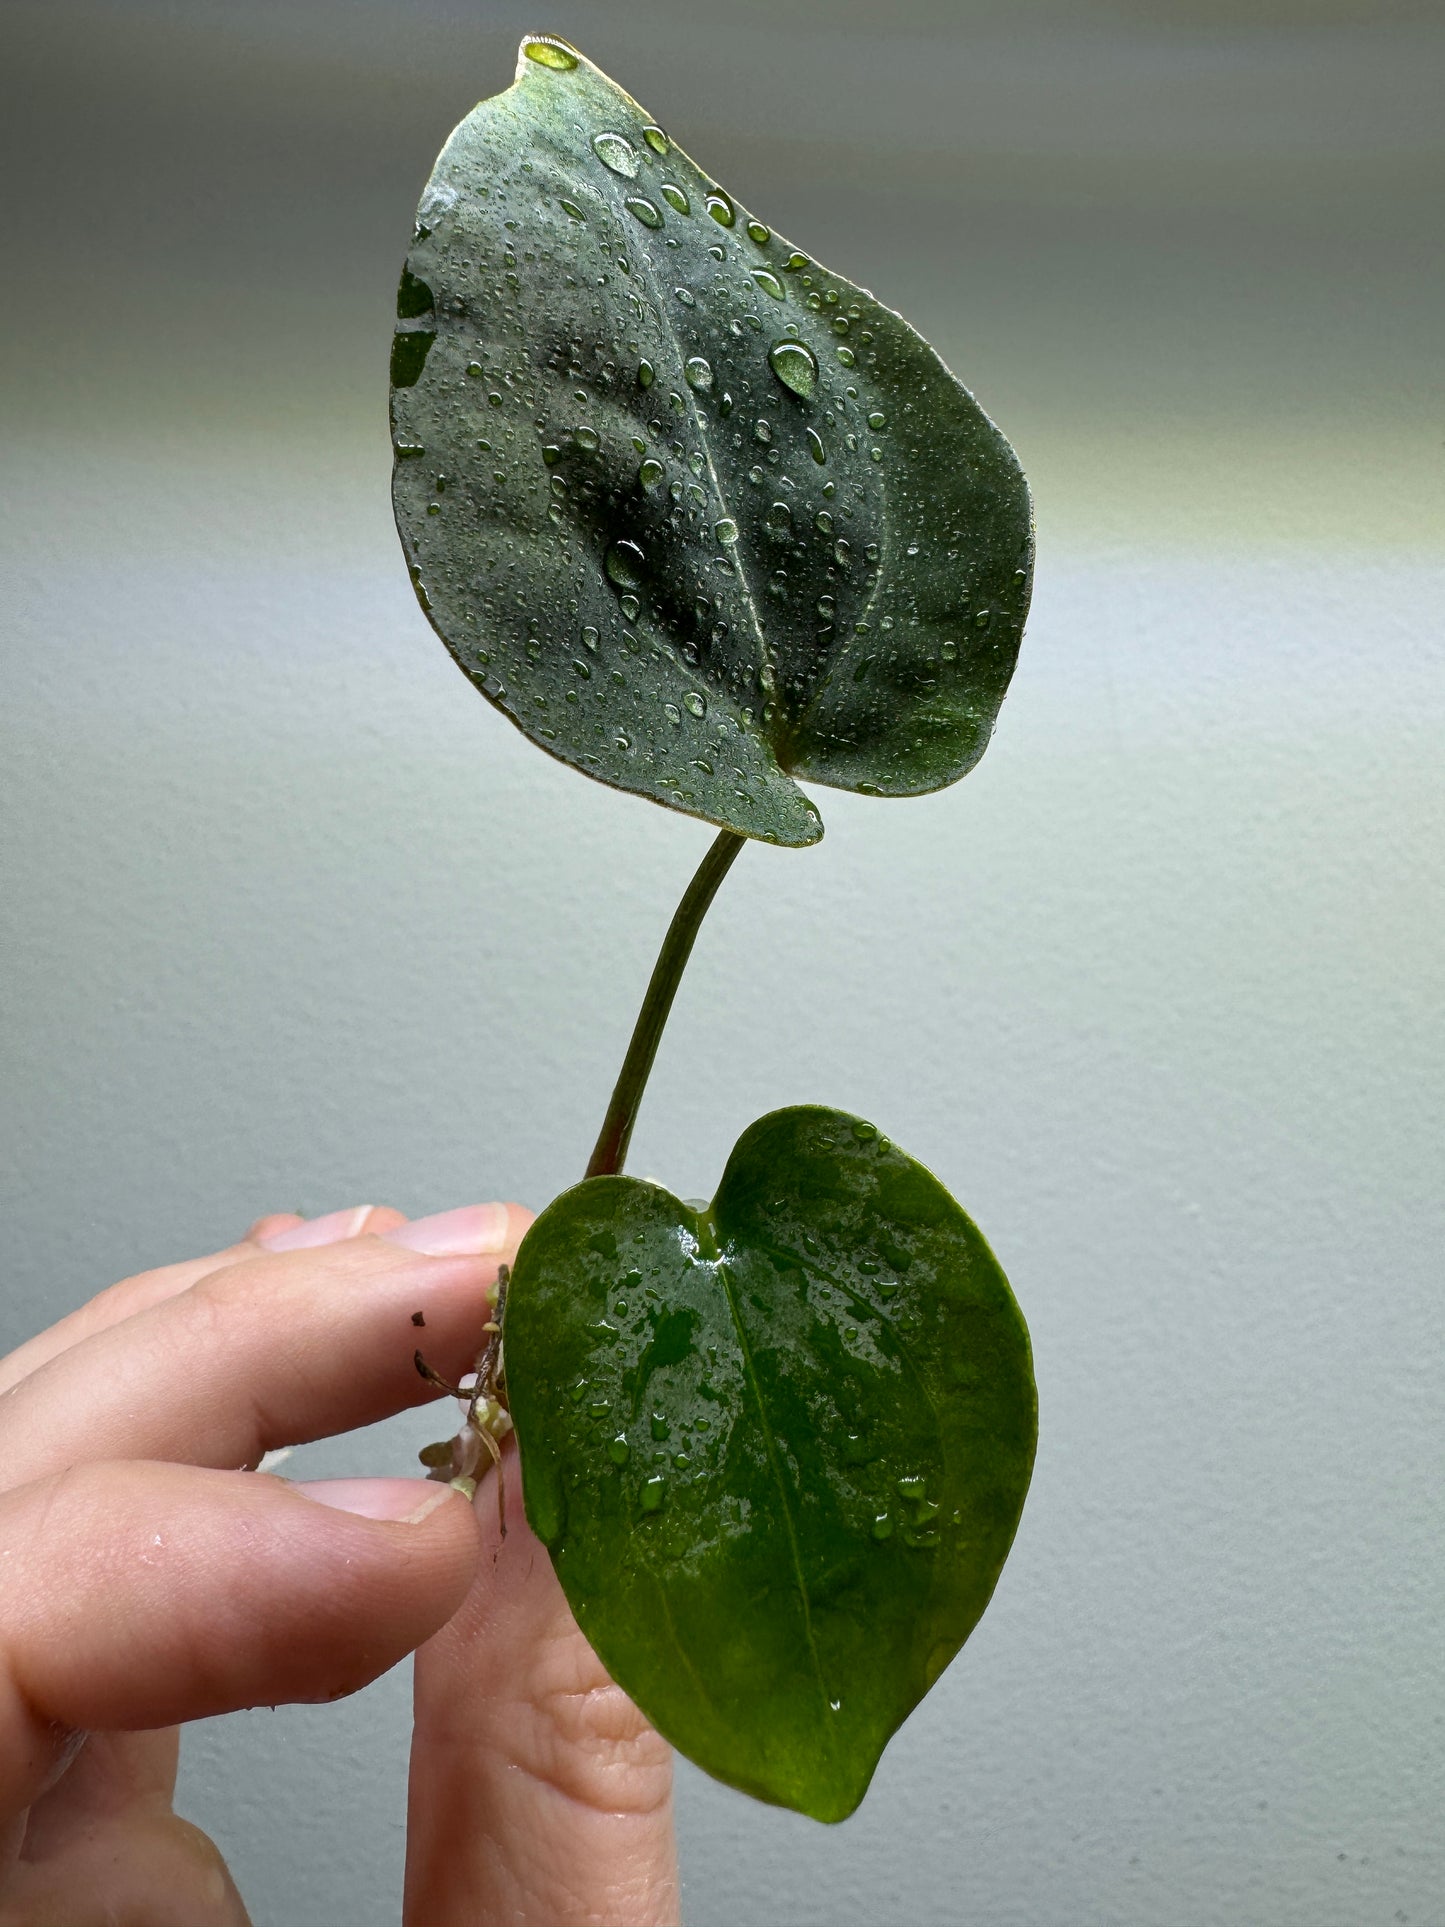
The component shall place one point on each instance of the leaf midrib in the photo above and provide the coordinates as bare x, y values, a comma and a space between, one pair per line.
775, 1462
704, 429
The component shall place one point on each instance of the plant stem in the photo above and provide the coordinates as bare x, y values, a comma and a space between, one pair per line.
616, 1133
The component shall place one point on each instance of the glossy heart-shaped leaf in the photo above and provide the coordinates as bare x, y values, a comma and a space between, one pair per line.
697, 514
777, 1446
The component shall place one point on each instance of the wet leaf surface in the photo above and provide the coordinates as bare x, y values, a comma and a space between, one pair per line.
777, 1446
700, 516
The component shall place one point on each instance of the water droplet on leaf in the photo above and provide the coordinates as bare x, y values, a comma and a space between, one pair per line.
698, 373
555, 54
796, 366
618, 154
625, 564
645, 211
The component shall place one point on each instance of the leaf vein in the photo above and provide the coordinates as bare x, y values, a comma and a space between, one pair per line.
775, 1462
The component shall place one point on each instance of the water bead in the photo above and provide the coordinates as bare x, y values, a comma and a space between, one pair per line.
796, 367
555, 54
618, 154
625, 564
644, 210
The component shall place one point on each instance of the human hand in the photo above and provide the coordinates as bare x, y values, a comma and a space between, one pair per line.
143, 1582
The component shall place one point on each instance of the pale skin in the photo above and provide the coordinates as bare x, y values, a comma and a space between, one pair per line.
146, 1581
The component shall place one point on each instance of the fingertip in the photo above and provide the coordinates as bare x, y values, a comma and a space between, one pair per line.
306, 1234
520, 1222
391, 1501
471, 1230
271, 1224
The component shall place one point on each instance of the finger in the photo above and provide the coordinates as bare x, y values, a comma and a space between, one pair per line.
147, 1288
303, 1234
272, 1222
143, 1866
538, 1791
105, 1845
136, 1596
114, 1775
285, 1347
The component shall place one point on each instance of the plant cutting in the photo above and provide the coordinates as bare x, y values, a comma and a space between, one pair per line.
706, 522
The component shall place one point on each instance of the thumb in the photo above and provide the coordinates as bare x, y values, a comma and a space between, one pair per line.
140, 1595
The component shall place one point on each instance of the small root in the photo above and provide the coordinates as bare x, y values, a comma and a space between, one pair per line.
487, 1422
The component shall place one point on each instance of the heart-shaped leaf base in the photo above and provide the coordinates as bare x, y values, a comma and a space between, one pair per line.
777, 1447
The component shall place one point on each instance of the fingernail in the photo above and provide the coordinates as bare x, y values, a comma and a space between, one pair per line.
403, 1501
473, 1229
330, 1230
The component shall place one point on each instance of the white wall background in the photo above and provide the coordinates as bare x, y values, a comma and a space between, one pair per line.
291, 919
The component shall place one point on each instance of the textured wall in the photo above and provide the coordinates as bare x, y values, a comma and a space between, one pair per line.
290, 918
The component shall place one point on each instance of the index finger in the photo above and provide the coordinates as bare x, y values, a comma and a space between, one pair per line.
292, 1346
119, 1302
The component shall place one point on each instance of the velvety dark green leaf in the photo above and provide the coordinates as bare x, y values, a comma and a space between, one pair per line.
699, 515
777, 1446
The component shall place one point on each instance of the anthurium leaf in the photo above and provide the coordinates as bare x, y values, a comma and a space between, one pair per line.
700, 516
777, 1446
